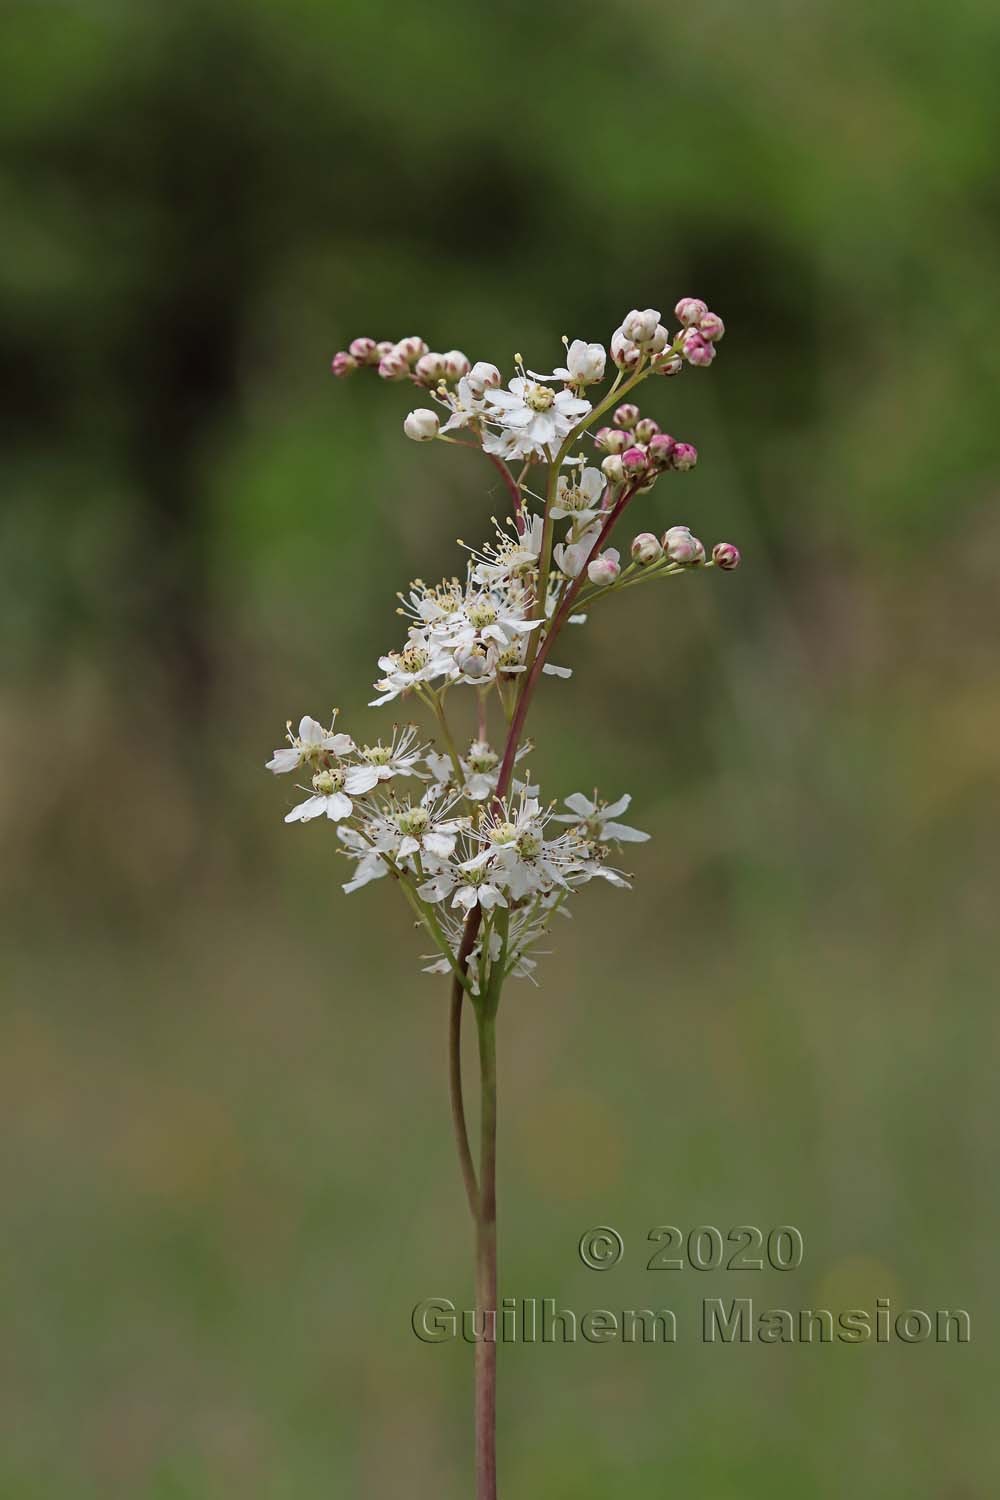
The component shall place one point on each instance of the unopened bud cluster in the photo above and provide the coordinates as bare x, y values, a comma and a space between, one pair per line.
642, 335
637, 451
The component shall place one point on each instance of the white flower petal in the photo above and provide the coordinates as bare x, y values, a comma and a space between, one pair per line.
441, 844
284, 760
313, 807
622, 834
360, 779
338, 806
311, 733
489, 897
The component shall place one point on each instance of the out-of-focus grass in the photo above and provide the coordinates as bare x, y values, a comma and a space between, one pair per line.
232, 1173
228, 1171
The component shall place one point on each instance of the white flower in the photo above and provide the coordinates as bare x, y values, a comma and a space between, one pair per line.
579, 496
332, 792
467, 888
511, 555
398, 758
584, 364
515, 850
422, 425
424, 831
480, 769
313, 745
495, 619
537, 417
416, 663
596, 820
570, 557
465, 403
370, 864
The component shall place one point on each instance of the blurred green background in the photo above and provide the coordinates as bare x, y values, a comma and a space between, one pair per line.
228, 1171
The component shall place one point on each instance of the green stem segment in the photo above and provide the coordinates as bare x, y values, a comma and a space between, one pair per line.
486, 1243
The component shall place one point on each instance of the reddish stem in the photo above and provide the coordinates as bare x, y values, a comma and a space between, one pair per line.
535, 670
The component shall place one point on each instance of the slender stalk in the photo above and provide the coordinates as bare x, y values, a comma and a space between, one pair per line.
436, 702
457, 1100
514, 488
558, 620
486, 1260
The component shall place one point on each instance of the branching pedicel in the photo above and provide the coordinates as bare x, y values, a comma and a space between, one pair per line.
484, 866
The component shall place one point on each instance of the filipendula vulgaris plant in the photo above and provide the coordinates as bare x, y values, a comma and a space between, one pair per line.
484, 864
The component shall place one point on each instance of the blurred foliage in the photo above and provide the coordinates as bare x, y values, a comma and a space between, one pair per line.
229, 1173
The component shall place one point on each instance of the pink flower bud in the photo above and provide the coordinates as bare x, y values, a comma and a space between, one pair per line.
626, 416
483, 377
640, 327
681, 547
604, 569
646, 429
668, 363
610, 440
343, 364
646, 549
384, 347
634, 461
430, 368
624, 352
365, 351
725, 555
696, 351
690, 310
411, 349
456, 364
684, 456
422, 424
613, 469
393, 366
711, 327
661, 449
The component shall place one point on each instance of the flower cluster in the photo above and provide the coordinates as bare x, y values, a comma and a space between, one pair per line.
482, 862
503, 856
